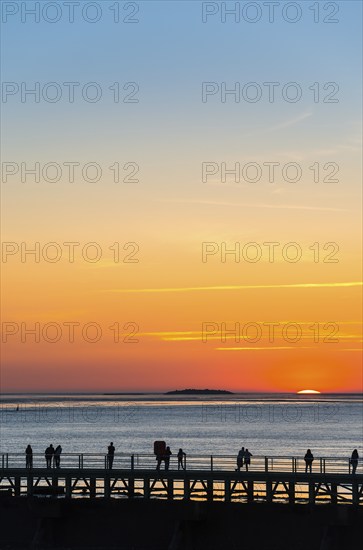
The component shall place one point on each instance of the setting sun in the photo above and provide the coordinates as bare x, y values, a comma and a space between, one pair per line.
308, 391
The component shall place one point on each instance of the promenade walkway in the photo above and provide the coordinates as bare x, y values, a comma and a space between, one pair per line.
212, 478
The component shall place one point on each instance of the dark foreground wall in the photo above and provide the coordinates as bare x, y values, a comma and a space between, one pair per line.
160, 525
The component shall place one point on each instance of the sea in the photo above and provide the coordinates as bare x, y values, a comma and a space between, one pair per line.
331, 425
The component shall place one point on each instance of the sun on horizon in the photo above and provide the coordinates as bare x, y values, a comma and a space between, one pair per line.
308, 391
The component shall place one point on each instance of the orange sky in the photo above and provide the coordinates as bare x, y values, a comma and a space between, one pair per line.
163, 282
288, 337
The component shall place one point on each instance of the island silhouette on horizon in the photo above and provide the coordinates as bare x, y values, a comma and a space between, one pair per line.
193, 391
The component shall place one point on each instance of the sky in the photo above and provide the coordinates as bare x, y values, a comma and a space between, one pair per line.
149, 250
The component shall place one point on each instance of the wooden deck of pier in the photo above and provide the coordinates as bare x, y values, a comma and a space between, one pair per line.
227, 486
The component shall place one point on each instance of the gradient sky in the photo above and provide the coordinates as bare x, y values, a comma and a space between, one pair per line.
170, 212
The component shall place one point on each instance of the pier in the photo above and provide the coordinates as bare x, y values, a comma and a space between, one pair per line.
206, 478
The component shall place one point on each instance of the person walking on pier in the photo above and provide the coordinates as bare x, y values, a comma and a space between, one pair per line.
181, 459
240, 459
247, 459
167, 456
309, 459
29, 457
354, 460
49, 453
57, 456
110, 455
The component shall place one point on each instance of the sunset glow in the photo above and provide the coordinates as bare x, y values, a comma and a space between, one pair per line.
308, 391
220, 245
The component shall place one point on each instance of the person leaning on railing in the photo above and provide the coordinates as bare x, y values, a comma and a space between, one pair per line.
110, 455
29, 457
354, 460
181, 459
247, 459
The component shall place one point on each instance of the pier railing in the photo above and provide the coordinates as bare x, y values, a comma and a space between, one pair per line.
138, 461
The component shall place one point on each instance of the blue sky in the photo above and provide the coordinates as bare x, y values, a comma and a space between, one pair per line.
170, 212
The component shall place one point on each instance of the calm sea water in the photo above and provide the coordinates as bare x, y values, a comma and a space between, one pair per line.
331, 425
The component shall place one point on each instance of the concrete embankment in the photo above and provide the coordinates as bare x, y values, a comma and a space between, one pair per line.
80, 524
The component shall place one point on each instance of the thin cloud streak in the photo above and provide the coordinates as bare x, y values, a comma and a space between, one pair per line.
255, 205
237, 287
285, 124
290, 122
262, 349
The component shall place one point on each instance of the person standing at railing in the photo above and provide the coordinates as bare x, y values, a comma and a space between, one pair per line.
247, 459
29, 457
240, 459
354, 460
181, 459
57, 456
49, 453
110, 455
167, 456
309, 459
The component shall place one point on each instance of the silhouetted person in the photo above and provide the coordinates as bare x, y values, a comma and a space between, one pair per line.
110, 455
247, 459
309, 459
240, 459
57, 456
354, 460
181, 459
167, 455
159, 459
49, 453
29, 457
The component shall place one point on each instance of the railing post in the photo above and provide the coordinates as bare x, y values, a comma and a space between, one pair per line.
355, 493
7, 460
79, 461
68, 487
132, 461
29, 485
186, 489
266, 464
92, 487
311, 492
291, 492
17, 486
107, 487
321, 466
211, 463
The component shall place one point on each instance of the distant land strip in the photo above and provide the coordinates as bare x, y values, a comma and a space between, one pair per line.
193, 391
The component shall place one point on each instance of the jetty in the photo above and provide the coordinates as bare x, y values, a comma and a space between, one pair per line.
210, 478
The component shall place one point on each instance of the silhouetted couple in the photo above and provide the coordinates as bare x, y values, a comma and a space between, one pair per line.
164, 457
243, 459
110, 455
53, 454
